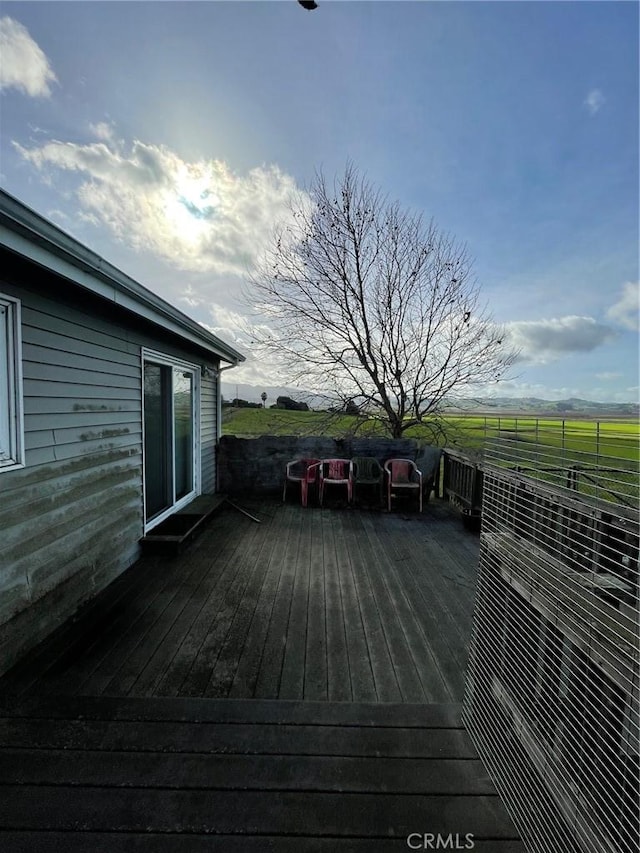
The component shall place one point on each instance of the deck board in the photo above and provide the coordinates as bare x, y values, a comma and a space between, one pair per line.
294, 658
150, 842
315, 604
381, 662
265, 680
338, 667
289, 685
112, 773
363, 688
315, 671
186, 645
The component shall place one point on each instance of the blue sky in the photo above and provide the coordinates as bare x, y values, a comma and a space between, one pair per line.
514, 125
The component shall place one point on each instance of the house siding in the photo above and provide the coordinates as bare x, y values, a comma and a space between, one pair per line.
71, 519
208, 432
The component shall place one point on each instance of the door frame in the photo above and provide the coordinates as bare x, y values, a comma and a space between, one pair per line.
165, 360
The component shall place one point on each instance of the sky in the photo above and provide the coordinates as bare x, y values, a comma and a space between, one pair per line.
168, 137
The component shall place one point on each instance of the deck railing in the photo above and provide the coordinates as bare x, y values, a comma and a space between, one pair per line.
462, 482
552, 697
596, 459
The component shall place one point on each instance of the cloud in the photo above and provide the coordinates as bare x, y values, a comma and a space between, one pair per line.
594, 101
24, 66
543, 341
102, 130
625, 311
199, 216
608, 375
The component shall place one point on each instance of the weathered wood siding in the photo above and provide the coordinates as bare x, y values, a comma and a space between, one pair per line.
70, 520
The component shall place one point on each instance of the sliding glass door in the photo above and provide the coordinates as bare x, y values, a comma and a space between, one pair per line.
170, 434
183, 431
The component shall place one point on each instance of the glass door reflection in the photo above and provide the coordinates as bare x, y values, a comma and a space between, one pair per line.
183, 431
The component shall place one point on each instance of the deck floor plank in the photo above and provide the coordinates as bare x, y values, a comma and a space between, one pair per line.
96, 666
187, 586
266, 681
257, 591
333, 640
150, 842
423, 675
334, 559
386, 684
451, 589
218, 617
205, 607
257, 629
414, 565
99, 664
199, 591
363, 686
110, 809
295, 653
429, 776
315, 673
316, 604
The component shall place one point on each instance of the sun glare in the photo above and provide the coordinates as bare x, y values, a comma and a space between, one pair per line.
190, 206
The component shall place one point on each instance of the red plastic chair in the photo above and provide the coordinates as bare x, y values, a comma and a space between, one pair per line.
303, 471
335, 472
403, 474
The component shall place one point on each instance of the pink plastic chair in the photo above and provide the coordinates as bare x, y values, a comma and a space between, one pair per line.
403, 474
335, 472
303, 471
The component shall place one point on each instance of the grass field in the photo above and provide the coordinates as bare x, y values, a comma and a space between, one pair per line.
600, 458
615, 438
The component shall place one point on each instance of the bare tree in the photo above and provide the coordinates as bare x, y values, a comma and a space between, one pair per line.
361, 301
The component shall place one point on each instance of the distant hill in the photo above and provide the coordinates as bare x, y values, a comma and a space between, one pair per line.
537, 406
573, 406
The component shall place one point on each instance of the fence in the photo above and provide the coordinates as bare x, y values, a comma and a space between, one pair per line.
552, 696
599, 459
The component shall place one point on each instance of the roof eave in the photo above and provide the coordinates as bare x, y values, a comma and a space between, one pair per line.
28, 234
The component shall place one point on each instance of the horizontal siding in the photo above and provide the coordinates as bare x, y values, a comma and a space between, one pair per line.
77, 505
208, 419
39, 488
71, 405
81, 373
72, 518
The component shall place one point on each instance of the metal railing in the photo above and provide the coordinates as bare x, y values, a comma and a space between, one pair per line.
552, 695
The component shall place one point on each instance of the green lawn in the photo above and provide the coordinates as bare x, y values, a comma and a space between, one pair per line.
250, 423
547, 447
618, 439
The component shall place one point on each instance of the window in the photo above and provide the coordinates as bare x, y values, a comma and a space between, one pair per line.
11, 414
170, 398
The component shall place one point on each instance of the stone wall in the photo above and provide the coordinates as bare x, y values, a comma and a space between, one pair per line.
256, 466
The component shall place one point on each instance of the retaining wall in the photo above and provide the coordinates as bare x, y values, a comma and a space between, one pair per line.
256, 466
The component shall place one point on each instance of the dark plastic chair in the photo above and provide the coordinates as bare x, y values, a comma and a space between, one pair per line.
366, 471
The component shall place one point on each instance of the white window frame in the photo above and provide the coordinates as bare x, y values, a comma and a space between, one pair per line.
11, 399
154, 357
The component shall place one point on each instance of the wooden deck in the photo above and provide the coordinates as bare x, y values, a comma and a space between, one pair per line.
328, 649
336, 605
